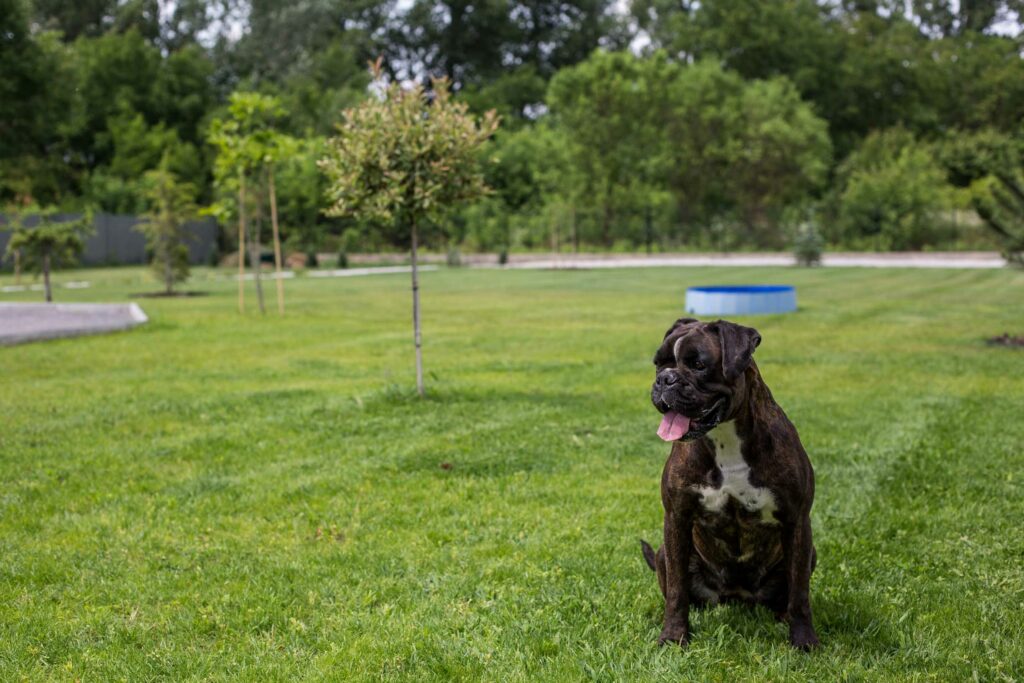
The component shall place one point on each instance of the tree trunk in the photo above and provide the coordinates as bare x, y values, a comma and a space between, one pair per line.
277, 241
648, 229
416, 314
254, 249
575, 236
168, 268
241, 242
46, 277
555, 244
168, 276
17, 266
606, 226
164, 239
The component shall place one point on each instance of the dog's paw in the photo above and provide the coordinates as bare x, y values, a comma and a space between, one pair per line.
803, 637
674, 635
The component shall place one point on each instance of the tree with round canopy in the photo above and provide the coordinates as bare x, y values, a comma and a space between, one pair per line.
406, 157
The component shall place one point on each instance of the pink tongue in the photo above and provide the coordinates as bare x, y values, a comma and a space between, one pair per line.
673, 426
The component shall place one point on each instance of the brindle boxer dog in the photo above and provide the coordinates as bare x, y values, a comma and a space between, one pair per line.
737, 488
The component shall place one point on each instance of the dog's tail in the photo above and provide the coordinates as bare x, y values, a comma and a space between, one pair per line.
648, 552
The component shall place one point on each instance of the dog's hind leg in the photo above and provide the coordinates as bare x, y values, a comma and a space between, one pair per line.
700, 594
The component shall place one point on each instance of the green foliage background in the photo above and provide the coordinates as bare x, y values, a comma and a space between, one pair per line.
649, 123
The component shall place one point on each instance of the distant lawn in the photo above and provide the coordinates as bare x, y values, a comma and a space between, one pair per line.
242, 498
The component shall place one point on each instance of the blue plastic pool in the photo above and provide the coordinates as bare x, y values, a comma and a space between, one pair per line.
741, 299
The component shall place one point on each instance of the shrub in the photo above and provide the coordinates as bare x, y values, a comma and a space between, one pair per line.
171, 205
808, 244
891, 194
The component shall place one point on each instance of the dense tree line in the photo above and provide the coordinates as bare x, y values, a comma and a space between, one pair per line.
720, 123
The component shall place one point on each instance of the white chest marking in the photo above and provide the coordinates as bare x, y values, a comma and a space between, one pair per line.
735, 478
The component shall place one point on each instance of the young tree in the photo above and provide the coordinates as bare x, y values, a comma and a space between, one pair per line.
247, 148
171, 205
48, 244
276, 146
407, 157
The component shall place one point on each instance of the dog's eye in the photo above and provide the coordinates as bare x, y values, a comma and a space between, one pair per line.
663, 360
696, 363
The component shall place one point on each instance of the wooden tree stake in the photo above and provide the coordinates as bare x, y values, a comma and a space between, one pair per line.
277, 240
416, 315
241, 242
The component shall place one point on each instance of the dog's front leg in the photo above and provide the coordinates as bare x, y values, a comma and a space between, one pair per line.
798, 549
678, 545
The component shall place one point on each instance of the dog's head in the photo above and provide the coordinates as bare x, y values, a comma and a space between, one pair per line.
699, 375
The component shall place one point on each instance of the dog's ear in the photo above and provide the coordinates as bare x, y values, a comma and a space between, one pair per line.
737, 343
681, 321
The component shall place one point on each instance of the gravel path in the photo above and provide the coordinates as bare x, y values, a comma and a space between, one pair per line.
967, 260
21, 322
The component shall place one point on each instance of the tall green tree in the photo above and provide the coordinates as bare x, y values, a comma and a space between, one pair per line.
169, 25
641, 130
891, 194
752, 37
73, 19
533, 181
36, 105
866, 65
119, 186
777, 155
285, 40
978, 81
958, 17
608, 107
476, 42
171, 206
406, 158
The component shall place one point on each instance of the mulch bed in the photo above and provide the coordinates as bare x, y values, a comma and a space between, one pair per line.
165, 295
1006, 340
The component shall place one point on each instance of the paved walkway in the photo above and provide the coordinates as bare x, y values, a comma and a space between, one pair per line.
38, 287
356, 272
23, 322
967, 260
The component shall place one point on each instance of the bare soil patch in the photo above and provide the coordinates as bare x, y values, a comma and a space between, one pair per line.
1006, 339
165, 295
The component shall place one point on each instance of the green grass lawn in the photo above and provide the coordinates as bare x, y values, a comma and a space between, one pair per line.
216, 497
